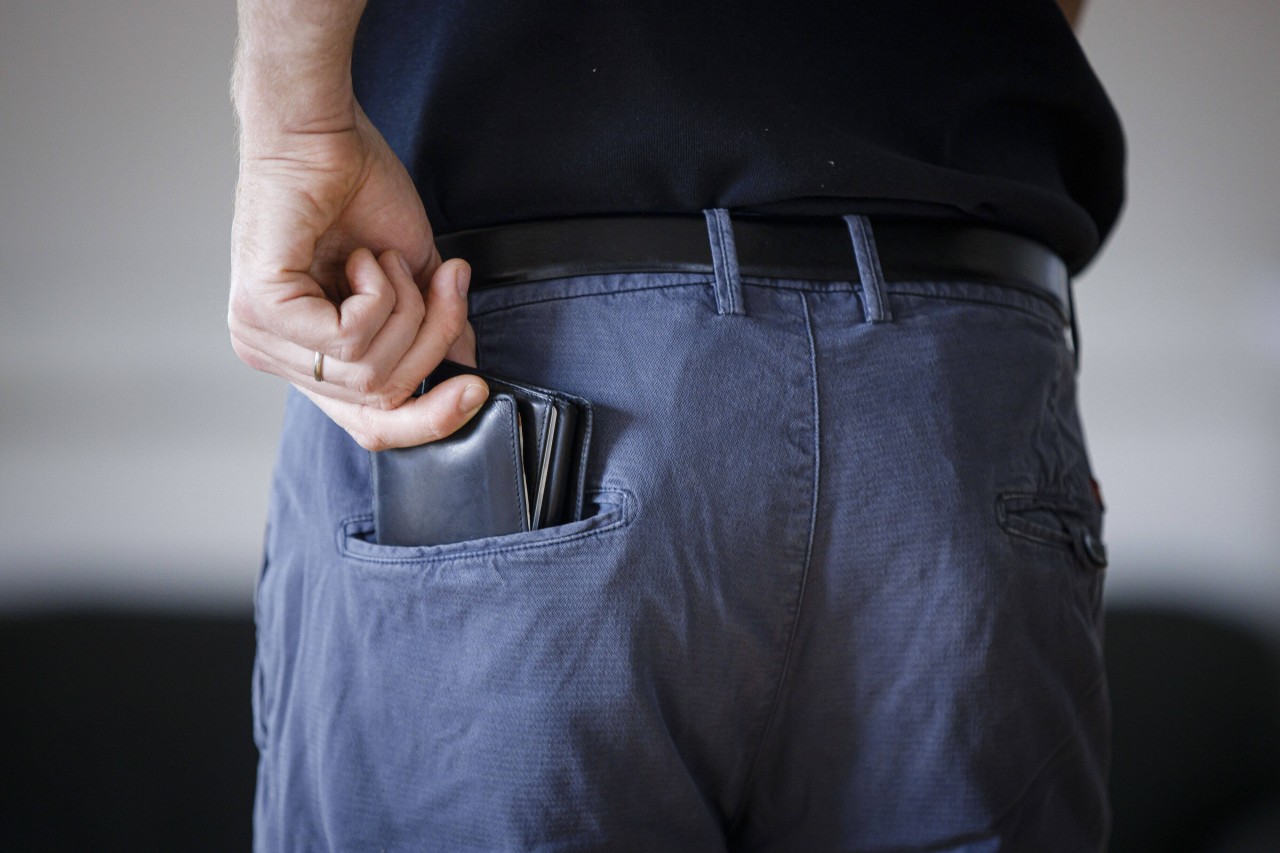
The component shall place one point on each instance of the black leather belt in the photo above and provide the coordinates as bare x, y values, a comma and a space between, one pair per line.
814, 249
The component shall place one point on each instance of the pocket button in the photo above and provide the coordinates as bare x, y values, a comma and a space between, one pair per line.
1094, 549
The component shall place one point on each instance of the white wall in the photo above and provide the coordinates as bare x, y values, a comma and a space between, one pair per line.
136, 450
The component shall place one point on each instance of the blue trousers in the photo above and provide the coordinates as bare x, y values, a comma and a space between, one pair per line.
838, 587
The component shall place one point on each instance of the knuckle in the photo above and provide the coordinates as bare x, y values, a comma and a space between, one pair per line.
385, 297
393, 394
366, 380
366, 435
240, 309
342, 350
433, 426
348, 347
455, 324
247, 354
371, 442
414, 309
239, 330
386, 399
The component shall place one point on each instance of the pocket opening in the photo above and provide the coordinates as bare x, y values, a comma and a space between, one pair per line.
610, 509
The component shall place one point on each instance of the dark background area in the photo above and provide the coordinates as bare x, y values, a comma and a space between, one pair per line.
132, 731
126, 731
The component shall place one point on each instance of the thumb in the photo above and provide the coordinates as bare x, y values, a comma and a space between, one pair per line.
437, 414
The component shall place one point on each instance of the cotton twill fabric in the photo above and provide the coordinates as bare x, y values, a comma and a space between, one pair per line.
828, 594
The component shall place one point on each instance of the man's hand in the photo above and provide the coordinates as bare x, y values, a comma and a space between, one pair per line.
332, 252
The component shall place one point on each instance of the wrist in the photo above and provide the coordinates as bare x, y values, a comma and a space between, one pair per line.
293, 66
271, 101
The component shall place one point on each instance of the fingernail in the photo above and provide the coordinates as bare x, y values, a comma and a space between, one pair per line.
473, 397
404, 265
463, 279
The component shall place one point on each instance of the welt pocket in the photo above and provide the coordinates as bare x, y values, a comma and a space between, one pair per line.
610, 509
1061, 521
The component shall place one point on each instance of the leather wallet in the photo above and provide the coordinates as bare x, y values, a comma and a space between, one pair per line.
518, 464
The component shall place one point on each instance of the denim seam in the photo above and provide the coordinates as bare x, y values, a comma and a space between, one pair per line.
1035, 533
624, 512
702, 282
1009, 503
1055, 320
767, 730
1044, 308
903, 288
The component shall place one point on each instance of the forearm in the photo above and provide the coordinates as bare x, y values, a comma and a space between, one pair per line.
293, 65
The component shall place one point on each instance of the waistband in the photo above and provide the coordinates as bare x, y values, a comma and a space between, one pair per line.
868, 251
810, 249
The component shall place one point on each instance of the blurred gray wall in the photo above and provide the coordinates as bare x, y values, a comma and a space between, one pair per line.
136, 450
1181, 378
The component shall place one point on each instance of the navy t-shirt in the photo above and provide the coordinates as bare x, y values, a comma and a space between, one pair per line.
512, 110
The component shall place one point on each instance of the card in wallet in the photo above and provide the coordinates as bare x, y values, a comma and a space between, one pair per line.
518, 464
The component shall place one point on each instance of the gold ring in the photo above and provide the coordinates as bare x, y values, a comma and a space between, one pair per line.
317, 368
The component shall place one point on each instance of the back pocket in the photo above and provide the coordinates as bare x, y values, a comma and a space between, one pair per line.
1067, 522
607, 510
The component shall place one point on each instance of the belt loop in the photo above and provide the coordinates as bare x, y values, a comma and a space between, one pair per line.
724, 259
875, 304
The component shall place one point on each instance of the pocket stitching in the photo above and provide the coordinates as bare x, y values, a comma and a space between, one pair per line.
1079, 510
1043, 308
426, 554
561, 297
